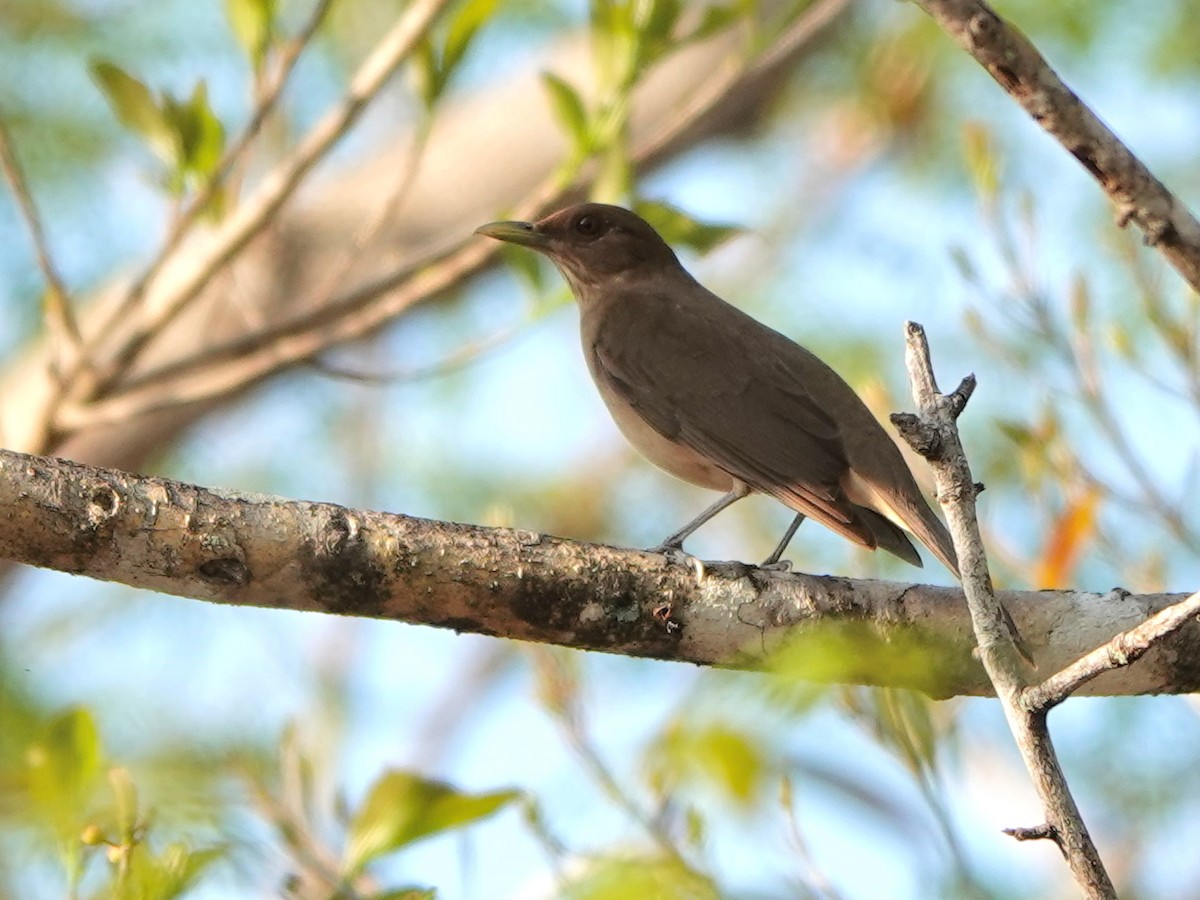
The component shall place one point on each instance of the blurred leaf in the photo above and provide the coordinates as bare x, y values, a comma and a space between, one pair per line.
556, 680
1081, 303
624, 877
135, 107
983, 162
614, 39
654, 22
1121, 339
432, 69
569, 110
64, 766
614, 181
903, 721
677, 227
186, 135
202, 137
125, 805
1017, 432
163, 876
253, 24
856, 653
402, 808
1068, 537
962, 261
409, 893
426, 72
715, 754
716, 18
467, 21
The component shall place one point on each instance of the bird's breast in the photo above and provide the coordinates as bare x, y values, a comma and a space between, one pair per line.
671, 456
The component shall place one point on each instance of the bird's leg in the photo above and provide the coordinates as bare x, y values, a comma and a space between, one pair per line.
772, 561
675, 541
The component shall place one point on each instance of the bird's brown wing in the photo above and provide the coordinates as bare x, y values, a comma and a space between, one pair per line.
711, 387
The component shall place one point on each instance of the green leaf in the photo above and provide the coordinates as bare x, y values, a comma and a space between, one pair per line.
253, 24
403, 807
614, 179
715, 19
64, 766
655, 24
207, 135
622, 877
126, 803
677, 227
427, 72
568, 108
983, 160
200, 133
471, 16
714, 754
135, 107
166, 875
903, 720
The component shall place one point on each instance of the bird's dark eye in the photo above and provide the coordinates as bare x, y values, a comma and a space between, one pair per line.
588, 225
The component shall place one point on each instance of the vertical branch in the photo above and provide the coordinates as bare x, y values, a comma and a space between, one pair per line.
935, 436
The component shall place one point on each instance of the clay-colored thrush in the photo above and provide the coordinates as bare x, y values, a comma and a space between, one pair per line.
716, 398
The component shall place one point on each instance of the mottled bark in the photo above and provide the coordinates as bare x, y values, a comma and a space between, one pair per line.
257, 550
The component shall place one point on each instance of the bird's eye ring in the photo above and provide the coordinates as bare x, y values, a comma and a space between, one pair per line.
588, 225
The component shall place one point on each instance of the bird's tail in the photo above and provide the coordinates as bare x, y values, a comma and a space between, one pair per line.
889, 536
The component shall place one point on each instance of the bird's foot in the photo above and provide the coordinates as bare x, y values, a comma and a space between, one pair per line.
772, 564
675, 553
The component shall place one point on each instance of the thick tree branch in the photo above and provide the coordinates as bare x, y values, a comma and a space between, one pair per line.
1022, 71
956, 490
264, 551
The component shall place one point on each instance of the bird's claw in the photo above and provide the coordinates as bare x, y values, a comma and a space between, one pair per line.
776, 565
680, 557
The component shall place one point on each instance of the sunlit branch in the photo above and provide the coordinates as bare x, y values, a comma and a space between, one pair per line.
1023, 72
1124, 649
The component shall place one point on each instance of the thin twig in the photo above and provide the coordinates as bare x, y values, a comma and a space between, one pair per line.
561, 700
60, 318
373, 227
956, 492
1033, 833
461, 357
1122, 650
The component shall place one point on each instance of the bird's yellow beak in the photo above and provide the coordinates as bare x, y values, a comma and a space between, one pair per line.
523, 233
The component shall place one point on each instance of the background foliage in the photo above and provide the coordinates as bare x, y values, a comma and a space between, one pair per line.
153, 747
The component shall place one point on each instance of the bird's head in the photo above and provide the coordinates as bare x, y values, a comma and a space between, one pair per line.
592, 244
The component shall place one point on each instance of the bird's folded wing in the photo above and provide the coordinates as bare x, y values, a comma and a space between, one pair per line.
730, 403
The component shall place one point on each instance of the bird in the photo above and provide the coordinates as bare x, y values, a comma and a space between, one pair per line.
716, 398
